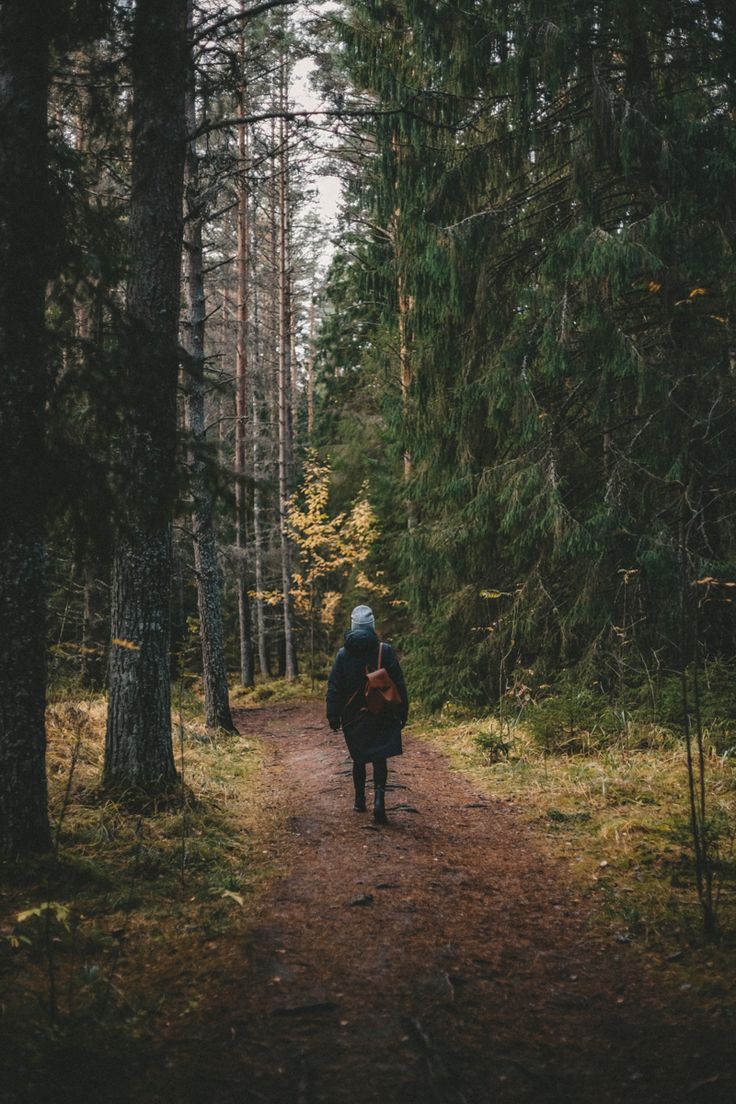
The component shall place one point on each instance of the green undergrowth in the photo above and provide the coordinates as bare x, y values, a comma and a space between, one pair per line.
616, 811
100, 941
278, 690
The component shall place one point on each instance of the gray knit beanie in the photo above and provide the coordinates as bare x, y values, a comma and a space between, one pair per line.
362, 618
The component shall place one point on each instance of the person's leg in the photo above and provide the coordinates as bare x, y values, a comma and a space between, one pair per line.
380, 776
359, 783
380, 772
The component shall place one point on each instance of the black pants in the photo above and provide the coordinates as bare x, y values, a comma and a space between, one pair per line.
380, 774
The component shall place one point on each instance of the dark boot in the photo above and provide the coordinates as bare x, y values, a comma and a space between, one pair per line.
379, 806
359, 783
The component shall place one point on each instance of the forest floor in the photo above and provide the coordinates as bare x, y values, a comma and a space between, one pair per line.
446, 958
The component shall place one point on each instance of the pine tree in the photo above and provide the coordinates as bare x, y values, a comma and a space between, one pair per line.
25, 235
214, 670
138, 751
242, 382
283, 373
547, 207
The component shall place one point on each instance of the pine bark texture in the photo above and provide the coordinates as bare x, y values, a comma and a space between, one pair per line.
138, 750
94, 628
24, 251
247, 659
89, 333
310, 367
257, 416
214, 670
263, 657
290, 670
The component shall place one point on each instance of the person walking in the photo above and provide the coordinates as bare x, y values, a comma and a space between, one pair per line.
371, 737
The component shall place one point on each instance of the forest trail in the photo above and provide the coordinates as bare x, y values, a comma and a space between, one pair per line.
442, 959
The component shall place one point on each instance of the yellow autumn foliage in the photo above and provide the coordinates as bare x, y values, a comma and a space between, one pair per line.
329, 547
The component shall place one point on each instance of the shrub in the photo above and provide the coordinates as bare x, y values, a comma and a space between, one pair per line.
572, 718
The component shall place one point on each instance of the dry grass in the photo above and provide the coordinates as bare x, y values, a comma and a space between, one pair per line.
137, 899
620, 820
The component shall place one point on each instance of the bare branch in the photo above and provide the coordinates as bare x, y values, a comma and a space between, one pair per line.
204, 29
295, 116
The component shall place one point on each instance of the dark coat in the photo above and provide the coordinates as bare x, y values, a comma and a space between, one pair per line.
368, 736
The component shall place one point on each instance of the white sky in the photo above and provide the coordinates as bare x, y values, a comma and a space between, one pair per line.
329, 188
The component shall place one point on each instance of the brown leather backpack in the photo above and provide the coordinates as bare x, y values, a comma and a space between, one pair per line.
380, 691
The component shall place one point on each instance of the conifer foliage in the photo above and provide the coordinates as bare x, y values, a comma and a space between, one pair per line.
551, 218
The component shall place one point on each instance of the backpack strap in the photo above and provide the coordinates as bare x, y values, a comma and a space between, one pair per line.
351, 698
378, 661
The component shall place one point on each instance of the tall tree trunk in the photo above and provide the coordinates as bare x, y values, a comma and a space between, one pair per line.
94, 622
269, 313
310, 366
263, 658
247, 660
257, 400
214, 670
283, 383
405, 305
24, 249
138, 751
287, 262
223, 393
89, 327
294, 367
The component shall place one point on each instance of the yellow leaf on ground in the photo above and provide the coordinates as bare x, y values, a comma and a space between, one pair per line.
237, 897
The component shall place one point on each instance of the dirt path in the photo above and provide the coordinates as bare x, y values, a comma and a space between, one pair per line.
442, 958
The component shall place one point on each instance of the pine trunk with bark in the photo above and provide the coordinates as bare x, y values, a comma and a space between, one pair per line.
138, 751
94, 625
263, 657
209, 603
405, 305
89, 334
257, 404
310, 367
24, 249
404, 302
284, 285
247, 659
294, 366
